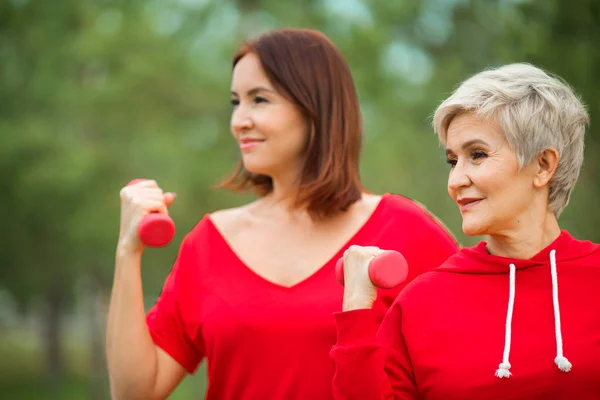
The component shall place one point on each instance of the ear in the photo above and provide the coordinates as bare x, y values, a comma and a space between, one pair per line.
547, 162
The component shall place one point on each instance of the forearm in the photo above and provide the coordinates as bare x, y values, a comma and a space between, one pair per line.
358, 358
131, 353
371, 363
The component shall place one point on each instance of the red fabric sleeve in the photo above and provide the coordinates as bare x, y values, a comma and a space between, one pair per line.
370, 365
425, 243
169, 320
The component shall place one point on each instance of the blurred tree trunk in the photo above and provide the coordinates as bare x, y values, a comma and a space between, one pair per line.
98, 310
54, 363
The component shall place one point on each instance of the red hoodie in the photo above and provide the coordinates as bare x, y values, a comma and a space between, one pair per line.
449, 331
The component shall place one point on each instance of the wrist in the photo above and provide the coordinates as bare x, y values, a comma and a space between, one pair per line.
129, 250
357, 302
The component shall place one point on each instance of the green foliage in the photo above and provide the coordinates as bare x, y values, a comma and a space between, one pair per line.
95, 94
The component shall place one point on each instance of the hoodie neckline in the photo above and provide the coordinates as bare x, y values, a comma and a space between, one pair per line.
566, 247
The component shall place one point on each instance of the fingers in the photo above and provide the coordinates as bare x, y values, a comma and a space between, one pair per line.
359, 291
148, 206
169, 198
139, 198
143, 183
361, 253
357, 259
147, 196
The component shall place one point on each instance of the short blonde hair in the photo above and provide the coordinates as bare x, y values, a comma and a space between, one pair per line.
535, 110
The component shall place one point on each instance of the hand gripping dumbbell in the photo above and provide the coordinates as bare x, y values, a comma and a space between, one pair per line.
387, 270
155, 229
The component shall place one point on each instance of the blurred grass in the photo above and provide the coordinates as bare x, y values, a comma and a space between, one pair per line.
22, 371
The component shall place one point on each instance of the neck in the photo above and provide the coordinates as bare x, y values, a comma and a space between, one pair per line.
285, 193
527, 240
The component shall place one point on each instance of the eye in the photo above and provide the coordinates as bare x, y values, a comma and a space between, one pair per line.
452, 162
259, 99
235, 102
478, 154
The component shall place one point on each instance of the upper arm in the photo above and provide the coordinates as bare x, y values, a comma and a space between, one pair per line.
173, 323
169, 374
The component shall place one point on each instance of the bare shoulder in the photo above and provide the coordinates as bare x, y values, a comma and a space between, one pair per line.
367, 204
371, 200
361, 211
230, 219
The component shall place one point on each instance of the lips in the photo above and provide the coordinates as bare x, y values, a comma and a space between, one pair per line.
249, 142
466, 203
467, 200
246, 140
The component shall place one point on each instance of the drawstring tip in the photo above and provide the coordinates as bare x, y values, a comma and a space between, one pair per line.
503, 370
563, 364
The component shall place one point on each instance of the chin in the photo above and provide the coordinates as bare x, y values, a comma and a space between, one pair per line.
256, 167
470, 227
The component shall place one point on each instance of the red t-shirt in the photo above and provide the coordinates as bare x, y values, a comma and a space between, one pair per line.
265, 341
446, 335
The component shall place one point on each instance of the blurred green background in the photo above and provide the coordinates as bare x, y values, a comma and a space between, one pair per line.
95, 93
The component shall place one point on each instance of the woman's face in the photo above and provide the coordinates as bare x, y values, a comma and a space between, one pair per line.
271, 131
494, 196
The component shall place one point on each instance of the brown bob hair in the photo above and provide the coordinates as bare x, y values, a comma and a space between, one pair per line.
307, 68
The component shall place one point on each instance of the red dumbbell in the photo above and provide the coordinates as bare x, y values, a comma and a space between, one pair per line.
155, 229
387, 270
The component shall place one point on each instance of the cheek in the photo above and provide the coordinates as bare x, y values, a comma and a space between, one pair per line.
272, 121
297, 141
297, 133
508, 195
493, 181
265, 121
284, 125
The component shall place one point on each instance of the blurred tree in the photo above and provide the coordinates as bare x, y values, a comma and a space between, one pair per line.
95, 94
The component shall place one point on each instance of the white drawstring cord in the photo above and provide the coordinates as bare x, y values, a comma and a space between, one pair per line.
504, 367
561, 361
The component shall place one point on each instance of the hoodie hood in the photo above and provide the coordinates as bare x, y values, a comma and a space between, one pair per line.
564, 250
477, 260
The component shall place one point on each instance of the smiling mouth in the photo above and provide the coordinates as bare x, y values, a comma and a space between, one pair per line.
249, 143
466, 204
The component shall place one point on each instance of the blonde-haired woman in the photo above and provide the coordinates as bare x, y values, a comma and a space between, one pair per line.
516, 316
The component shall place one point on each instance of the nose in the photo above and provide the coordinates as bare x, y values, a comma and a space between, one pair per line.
458, 178
241, 120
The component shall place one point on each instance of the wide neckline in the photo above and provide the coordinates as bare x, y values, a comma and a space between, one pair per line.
338, 253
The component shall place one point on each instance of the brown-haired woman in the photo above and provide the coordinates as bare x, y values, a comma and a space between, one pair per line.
253, 288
